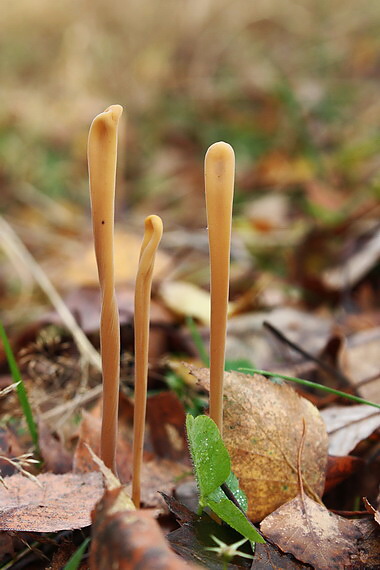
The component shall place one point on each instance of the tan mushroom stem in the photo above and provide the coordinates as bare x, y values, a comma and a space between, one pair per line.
219, 186
102, 155
152, 238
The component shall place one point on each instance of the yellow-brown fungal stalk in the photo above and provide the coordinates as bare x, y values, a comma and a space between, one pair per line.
219, 188
102, 156
152, 238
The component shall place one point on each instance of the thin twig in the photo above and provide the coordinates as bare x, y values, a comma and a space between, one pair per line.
324, 365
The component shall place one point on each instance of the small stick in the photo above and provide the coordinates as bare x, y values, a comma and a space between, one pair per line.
152, 238
102, 154
219, 187
324, 365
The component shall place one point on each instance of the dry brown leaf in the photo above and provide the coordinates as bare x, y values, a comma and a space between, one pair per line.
89, 436
356, 266
166, 418
58, 502
372, 510
56, 458
159, 476
129, 539
315, 536
262, 432
340, 468
349, 425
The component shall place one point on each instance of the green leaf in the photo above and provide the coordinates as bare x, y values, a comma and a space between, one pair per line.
310, 384
227, 511
76, 558
211, 461
233, 485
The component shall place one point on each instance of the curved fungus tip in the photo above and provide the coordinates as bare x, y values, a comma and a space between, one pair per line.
220, 151
154, 224
111, 115
114, 112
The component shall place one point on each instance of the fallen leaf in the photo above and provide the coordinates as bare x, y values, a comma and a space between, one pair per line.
89, 436
363, 362
56, 458
186, 299
269, 556
372, 510
349, 425
269, 212
340, 468
181, 512
312, 534
58, 502
166, 419
159, 475
356, 266
263, 424
247, 339
124, 500
367, 553
129, 539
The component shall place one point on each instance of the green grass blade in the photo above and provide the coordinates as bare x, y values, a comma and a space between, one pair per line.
198, 341
21, 391
312, 385
76, 558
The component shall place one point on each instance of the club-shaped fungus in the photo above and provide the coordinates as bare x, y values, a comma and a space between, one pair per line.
219, 188
152, 238
102, 156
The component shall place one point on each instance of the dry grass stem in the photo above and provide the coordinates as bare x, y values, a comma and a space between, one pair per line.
12, 244
152, 238
102, 155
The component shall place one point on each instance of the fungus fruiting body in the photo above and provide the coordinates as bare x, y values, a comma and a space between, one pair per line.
152, 238
102, 155
219, 188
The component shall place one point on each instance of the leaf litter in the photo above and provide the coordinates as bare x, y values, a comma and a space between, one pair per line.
262, 432
327, 173
50, 504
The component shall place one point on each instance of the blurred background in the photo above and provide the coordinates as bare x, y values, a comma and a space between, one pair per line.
292, 86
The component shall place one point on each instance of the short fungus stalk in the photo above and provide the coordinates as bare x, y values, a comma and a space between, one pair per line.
219, 188
152, 238
102, 156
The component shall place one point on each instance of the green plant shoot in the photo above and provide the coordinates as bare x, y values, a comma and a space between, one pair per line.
20, 389
212, 467
76, 558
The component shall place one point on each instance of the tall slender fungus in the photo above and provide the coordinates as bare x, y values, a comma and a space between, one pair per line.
102, 155
152, 238
219, 187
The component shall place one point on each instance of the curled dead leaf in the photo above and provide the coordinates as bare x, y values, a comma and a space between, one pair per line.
129, 539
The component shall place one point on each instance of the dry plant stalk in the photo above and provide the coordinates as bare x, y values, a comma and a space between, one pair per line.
152, 238
102, 155
219, 188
